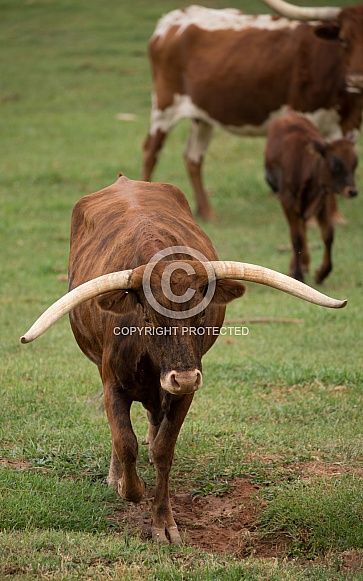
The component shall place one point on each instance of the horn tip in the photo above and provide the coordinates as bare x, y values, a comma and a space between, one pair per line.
342, 304
24, 339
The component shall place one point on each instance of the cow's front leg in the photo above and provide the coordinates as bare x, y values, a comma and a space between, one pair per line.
122, 472
164, 528
325, 220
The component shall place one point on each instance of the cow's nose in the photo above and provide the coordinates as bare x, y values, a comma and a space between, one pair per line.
181, 382
352, 192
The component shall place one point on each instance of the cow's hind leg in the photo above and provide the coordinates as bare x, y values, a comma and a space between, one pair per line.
164, 528
197, 145
152, 432
124, 445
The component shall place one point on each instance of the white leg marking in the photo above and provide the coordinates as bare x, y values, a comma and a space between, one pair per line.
199, 138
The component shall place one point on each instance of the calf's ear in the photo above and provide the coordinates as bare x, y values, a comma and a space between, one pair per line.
351, 136
226, 291
320, 147
118, 302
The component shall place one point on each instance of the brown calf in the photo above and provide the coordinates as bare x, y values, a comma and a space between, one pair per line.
306, 172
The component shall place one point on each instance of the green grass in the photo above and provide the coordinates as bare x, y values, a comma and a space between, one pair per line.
318, 516
283, 397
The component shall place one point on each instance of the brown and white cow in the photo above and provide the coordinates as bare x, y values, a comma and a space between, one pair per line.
236, 71
306, 171
147, 299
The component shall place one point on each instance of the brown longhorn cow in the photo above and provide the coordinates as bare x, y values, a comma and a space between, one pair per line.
147, 299
306, 172
236, 71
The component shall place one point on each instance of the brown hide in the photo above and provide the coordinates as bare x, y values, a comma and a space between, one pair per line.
122, 227
237, 79
118, 228
306, 172
348, 30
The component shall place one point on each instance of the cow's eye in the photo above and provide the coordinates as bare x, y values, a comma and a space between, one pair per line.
335, 165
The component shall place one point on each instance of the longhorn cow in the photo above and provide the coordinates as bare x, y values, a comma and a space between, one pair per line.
236, 71
147, 297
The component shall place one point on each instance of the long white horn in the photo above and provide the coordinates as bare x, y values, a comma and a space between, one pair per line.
301, 12
259, 274
113, 281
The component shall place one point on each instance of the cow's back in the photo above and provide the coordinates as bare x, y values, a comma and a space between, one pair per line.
199, 54
125, 224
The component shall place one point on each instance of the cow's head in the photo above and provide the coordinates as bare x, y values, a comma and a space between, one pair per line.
340, 162
180, 377
172, 304
348, 30
344, 25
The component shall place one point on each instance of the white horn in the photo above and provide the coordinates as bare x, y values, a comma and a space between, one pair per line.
303, 13
113, 281
259, 274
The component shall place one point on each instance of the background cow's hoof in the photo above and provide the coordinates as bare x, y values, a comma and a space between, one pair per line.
207, 215
318, 277
321, 275
297, 275
159, 535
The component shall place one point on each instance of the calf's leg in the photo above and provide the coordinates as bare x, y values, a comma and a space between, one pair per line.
300, 258
325, 220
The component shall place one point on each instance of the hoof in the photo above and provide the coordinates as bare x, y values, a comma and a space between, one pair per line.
169, 535
131, 494
207, 216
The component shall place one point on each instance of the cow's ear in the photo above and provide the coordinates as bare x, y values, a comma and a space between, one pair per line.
226, 291
118, 302
329, 31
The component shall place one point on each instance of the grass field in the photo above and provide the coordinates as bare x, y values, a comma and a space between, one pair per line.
280, 409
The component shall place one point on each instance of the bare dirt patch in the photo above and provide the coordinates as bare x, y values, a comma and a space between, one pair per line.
227, 523
318, 469
15, 464
218, 524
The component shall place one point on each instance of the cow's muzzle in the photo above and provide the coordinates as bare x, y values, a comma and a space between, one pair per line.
354, 83
182, 382
350, 192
